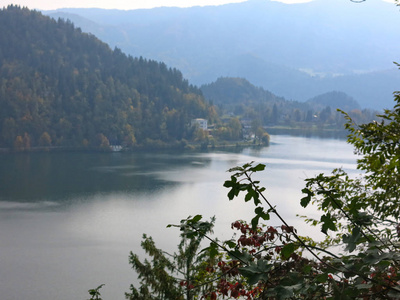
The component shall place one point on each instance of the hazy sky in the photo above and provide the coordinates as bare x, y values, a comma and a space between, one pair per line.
119, 4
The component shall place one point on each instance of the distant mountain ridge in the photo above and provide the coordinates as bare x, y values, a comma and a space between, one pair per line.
302, 36
274, 45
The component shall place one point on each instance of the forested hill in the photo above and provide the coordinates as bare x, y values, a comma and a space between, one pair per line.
228, 90
62, 87
238, 95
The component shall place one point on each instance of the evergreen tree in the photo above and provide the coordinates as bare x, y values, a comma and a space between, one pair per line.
59, 80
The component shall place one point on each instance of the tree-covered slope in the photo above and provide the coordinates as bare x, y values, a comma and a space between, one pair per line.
230, 90
335, 100
62, 87
238, 97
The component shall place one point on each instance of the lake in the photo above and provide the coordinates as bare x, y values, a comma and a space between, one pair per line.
69, 220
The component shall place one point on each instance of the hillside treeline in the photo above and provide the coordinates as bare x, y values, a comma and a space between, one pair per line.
238, 97
62, 87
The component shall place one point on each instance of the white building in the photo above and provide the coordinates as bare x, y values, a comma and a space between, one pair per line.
201, 123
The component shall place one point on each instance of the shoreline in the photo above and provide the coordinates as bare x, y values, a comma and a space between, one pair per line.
195, 146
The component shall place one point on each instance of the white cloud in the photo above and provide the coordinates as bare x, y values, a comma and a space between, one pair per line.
127, 4
119, 4
292, 1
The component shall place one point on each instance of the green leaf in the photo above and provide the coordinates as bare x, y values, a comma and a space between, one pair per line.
328, 223
250, 194
307, 269
230, 183
213, 250
376, 257
254, 222
284, 292
242, 256
230, 244
363, 219
288, 250
352, 240
231, 194
260, 212
322, 278
306, 200
195, 219
190, 235
259, 167
256, 271
235, 169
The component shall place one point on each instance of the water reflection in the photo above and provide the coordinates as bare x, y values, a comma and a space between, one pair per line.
62, 176
69, 220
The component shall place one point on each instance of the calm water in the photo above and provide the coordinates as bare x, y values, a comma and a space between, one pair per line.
69, 220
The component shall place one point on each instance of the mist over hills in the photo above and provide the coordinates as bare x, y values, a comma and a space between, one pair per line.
296, 51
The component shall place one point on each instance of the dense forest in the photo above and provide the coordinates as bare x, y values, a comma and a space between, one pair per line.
61, 87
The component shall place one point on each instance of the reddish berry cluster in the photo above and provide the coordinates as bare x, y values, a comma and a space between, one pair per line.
255, 238
230, 269
234, 290
186, 284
